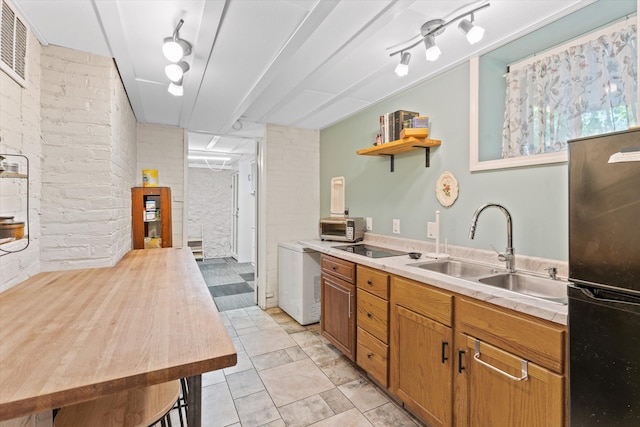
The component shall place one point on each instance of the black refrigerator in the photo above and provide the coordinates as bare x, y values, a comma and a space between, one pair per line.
604, 271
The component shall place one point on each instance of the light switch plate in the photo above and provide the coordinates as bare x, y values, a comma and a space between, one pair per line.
396, 226
369, 224
431, 230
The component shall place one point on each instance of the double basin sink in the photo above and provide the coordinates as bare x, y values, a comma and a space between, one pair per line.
535, 286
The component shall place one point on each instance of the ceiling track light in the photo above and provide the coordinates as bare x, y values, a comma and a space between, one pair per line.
435, 27
474, 33
402, 69
174, 48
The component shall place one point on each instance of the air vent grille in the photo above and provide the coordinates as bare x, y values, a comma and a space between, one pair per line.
13, 43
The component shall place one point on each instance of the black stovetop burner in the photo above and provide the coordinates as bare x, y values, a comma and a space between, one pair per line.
370, 251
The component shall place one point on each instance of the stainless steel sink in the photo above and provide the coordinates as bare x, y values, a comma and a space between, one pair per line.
457, 268
548, 289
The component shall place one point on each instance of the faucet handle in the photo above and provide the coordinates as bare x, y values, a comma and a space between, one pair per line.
553, 271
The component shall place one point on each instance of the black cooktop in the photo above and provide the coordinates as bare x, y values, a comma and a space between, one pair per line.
370, 251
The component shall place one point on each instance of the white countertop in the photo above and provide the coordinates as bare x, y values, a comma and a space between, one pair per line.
400, 265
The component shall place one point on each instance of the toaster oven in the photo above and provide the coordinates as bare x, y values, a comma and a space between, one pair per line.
342, 229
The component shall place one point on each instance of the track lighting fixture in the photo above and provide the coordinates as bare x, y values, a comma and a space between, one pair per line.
174, 48
435, 27
403, 67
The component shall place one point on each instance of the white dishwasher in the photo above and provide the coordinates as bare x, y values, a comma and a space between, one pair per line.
299, 282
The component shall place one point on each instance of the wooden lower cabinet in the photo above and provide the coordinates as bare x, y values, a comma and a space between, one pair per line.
421, 365
338, 314
462, 370
488, 391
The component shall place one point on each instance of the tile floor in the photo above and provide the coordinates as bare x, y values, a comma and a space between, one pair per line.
231, 283
289, 375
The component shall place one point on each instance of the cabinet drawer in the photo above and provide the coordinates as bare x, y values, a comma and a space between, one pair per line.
536, 340
373, 281
345, 270
373, 356
422, 299
373, 315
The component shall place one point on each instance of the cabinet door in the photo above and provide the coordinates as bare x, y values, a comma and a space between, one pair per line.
421, 366
338, 318
490, 392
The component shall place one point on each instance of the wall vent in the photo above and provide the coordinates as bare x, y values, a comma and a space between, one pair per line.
13, 43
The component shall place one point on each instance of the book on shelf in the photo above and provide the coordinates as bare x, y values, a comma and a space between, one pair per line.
391, 124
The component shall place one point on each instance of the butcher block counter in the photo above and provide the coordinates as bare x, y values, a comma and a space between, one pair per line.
76, 335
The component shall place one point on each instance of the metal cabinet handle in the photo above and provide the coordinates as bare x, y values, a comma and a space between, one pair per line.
349, 305
334, 268
524, 366
444, 351
369, 282
369, 315
460, 367
369, 355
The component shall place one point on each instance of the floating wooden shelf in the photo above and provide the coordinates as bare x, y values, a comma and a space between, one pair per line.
401, 146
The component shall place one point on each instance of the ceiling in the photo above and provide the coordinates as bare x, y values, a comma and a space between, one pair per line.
297, 63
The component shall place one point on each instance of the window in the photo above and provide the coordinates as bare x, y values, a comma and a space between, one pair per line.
583, 88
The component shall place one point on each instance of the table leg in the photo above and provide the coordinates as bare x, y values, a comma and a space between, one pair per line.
194, 401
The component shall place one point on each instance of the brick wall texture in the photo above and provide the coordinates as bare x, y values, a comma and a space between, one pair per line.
209, 207
291, 185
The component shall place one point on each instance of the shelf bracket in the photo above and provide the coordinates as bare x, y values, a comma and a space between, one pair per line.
391, 159
427, 155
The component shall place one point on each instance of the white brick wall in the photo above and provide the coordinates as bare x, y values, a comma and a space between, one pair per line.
209, 207
88, 146
20, 134
289, 198
163, 148
123, 168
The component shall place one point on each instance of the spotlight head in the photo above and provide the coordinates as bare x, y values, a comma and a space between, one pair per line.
176, 89
473, 32
433, 51
174, 49
402, 69
175, 71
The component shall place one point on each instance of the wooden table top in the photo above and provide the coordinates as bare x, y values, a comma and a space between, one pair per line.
71, 336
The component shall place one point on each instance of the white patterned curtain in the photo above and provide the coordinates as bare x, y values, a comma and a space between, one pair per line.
584, 90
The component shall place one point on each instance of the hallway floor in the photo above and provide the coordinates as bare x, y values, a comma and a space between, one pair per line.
231, 283
289, 375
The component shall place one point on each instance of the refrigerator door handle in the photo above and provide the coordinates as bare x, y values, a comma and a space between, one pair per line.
594, 297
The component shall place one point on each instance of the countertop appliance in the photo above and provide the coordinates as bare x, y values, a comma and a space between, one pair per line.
370, 251
342, 229
604, 271
299, 282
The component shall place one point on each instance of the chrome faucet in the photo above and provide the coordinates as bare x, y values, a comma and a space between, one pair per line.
508, 256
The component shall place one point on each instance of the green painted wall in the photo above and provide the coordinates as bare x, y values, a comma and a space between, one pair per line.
536, 197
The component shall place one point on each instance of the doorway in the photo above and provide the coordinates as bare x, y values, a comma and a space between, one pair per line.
234, 215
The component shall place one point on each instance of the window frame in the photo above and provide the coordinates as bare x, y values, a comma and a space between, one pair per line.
475, 164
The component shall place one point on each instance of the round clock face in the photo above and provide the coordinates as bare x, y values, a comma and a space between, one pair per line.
447, 189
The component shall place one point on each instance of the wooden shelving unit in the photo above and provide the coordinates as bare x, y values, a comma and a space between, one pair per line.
147, 230
408, 143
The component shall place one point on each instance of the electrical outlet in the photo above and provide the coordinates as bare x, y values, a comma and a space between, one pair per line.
369, 224
396, 226
431, 230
